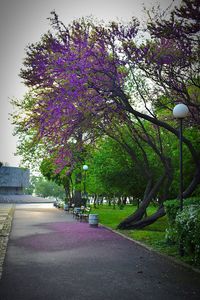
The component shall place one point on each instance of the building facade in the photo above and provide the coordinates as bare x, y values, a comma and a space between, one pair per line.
13, 180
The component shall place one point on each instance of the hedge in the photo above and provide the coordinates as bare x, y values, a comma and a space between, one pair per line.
188, 229
184, 225
172, 207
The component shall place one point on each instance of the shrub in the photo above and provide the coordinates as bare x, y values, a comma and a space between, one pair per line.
188, 230
171, 235
172, 209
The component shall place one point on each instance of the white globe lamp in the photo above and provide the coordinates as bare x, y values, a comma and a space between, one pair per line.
180, 111
85, 167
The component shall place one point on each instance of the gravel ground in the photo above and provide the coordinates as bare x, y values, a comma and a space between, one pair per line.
6, 216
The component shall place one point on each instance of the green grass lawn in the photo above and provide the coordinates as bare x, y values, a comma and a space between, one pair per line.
112, 217
152, 235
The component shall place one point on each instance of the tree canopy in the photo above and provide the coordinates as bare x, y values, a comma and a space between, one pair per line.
87, 79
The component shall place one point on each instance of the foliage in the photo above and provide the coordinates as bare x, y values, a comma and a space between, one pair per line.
79, 78
32, 183
191, 133
45, 188
173, 231
48, 168
177, 55
112, 172
188, 230
172, 207
87, 77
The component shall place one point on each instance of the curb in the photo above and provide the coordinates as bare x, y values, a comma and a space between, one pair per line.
178, 262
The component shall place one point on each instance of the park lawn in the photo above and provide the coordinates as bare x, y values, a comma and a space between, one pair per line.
152, 236
111, 217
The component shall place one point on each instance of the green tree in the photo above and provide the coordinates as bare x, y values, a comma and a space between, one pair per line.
112, 171
61, 178
46, 188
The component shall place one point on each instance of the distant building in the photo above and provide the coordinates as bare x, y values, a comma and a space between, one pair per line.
13, 180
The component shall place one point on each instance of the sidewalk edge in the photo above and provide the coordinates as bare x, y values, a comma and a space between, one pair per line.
153, 250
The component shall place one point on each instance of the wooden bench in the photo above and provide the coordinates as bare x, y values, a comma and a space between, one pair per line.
71, 208
77, 211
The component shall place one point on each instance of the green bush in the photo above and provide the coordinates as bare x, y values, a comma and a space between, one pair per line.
188, 230
171, 235
172, 208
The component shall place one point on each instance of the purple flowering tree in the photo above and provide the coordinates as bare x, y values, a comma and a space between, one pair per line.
86, 73
171, 58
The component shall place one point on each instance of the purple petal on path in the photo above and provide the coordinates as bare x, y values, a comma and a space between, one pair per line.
66, 236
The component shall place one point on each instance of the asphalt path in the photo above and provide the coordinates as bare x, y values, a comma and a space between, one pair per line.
52, 256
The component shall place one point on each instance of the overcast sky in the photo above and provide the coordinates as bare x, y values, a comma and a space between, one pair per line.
23, 22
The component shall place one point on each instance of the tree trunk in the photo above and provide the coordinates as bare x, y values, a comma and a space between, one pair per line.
147, 221
124, 200
95, 200
140, 212
195, 181
77, 198
67, 189
67, 193
119, 201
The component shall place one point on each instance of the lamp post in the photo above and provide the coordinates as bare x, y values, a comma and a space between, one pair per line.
181, 111
85, 168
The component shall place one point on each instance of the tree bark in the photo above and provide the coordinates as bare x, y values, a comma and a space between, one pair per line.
193, 184
77, 198
95, 200
147, 221
140, 212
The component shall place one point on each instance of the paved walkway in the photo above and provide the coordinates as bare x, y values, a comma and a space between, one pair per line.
52, 256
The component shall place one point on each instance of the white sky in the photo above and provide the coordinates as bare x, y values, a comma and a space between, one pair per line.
23, 22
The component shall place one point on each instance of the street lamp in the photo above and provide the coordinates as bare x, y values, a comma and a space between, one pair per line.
181, 111
85, 168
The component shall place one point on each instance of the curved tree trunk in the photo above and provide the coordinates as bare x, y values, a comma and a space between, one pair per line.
147, 221
136, 221
195, 156
140, 212
193, 184
160, 212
